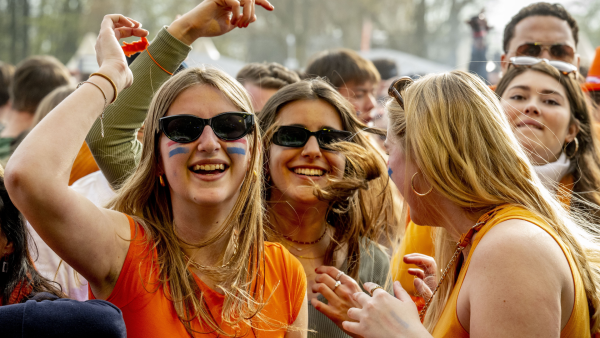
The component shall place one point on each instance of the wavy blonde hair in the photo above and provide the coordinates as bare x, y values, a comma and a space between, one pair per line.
143, 197
360, 204
456, 132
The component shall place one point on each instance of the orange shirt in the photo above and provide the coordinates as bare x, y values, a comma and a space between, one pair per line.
84, 164
417, 239
578, 325
149, 313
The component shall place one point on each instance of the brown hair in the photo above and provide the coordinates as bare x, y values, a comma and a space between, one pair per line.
360, 202
585, 163
267, 75
6, 74
539, 9
34, 78
143, 197
341, 66
50, 102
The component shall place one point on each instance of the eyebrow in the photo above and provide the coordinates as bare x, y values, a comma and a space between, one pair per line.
543, 92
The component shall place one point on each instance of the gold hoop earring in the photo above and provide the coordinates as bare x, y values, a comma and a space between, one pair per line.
576, 148
412, 185
160, 179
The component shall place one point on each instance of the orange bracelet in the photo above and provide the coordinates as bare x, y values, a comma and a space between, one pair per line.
161, 67
111, 82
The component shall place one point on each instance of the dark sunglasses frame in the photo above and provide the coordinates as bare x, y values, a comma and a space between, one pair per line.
307, 133
528, 61
570, 51
397, 87
164, 121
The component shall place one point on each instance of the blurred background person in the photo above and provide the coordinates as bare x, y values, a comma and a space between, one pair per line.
34, 78
541, 30
262, 80
6, 74
355, 77
388, 70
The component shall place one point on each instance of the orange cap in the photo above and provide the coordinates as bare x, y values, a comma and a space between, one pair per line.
592, 81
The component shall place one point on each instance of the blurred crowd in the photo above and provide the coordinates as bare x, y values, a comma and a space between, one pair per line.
155, 199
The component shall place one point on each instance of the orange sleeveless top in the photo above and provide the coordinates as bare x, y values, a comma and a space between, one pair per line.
578, 325
416, 239
149, 313
84, 164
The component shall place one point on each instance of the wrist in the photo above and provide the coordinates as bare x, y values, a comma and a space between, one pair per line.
116, 74
181, 31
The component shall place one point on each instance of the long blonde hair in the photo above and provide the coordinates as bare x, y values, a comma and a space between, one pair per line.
454, 129
143, 197
361, 202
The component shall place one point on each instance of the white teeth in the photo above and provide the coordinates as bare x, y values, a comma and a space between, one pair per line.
209, 167
309, 172
196, 167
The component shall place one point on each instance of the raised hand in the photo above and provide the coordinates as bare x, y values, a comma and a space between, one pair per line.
339, 299
214, 18
109, 54
426, 280
384, 315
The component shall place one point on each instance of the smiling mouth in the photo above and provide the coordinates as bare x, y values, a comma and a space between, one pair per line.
309, 172
209, 169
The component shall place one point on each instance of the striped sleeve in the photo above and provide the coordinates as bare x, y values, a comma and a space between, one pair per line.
118, 152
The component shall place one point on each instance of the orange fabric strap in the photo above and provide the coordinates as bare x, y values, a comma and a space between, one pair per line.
161, 67
565, 190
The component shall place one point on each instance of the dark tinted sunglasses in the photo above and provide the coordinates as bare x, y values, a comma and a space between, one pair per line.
397, 87
527, 61
558, 51
296, 137
228, 126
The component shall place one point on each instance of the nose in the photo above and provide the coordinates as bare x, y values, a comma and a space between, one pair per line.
208, 142
532, 108
311, 148
545, 54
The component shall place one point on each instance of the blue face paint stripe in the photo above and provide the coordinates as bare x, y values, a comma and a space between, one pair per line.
234, 150
390, 172
178, 150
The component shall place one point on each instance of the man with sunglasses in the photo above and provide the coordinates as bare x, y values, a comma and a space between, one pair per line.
541, 30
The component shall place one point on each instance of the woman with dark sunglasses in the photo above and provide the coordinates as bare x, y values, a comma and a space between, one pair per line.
327, 196
181, 251
514, 262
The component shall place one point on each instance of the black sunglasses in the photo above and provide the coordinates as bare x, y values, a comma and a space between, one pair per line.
528, 61
397, 87
558, 50
296, 137
228, 126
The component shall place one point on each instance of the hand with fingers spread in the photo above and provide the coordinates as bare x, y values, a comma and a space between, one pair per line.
339, 289
109, 54
383, 315
426, 279
214, 18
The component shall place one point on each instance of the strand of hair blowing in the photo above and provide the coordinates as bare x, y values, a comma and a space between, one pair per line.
150, 204
456, 132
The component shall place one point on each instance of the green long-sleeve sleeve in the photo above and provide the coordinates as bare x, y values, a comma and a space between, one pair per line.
118, 152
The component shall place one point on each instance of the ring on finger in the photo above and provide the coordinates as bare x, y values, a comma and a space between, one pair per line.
337, 283
375, 288
337, 278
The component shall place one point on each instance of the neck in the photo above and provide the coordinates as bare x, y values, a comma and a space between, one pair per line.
16, 123
196, 224
297, 221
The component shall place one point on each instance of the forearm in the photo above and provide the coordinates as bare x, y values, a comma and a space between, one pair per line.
118, 152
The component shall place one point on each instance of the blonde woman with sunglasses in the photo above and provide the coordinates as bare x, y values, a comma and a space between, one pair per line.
181, 251
514, 262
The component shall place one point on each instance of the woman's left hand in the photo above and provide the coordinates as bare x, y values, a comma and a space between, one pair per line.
383, 316
339, 299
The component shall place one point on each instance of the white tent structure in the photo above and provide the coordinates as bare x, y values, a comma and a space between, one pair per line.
84, 61
204, 53
408, 64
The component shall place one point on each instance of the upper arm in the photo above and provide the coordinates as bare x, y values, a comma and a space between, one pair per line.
515, 283
93, 240
299, 328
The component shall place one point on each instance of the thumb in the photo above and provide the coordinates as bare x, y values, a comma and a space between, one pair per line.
422, 288
400, 293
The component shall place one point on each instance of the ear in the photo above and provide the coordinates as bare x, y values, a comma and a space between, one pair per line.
577, 60
572, 131
503, 63
9, 248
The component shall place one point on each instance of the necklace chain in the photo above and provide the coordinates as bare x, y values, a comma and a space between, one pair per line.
204, 267
465, 239
306, 243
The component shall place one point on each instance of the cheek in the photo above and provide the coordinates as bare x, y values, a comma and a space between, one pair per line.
557, 121
337, 162
512, 111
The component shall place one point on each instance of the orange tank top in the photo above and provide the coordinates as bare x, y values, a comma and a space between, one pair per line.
149, 313
578, 325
